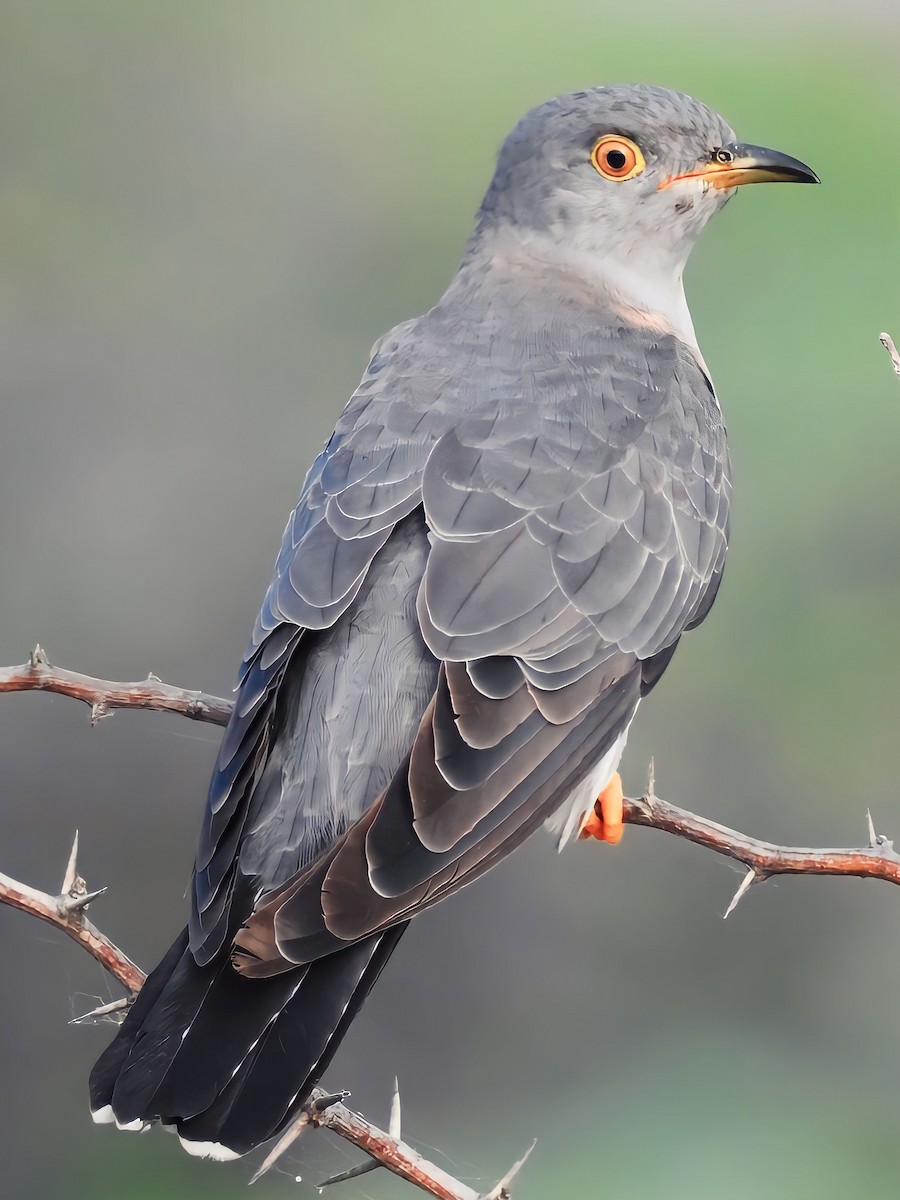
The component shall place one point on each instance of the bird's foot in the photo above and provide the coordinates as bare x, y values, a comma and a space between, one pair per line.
605, 822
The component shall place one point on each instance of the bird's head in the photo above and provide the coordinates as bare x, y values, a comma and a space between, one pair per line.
624, 175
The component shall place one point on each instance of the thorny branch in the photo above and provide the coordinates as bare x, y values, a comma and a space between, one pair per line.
877, 860
323, 1111
66, 912
326, 1111
103, 696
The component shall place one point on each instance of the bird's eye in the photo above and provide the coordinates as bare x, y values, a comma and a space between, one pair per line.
722, 156
617, 158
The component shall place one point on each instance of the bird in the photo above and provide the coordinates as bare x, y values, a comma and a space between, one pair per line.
521, 510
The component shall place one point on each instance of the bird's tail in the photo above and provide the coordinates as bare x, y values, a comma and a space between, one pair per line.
229, 1061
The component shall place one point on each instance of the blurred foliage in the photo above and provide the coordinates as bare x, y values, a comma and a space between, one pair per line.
209, 211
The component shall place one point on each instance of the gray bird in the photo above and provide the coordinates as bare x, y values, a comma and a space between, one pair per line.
521, 510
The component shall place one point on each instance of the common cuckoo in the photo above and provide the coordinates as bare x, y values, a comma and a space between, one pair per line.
522, 508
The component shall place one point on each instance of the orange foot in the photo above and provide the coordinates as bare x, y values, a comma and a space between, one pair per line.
605, 822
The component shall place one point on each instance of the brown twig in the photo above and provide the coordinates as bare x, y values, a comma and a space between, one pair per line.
103, 695
66, 912
324, 1111
877, 860
327, 1111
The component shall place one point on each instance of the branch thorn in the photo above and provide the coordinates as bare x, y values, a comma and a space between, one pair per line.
322, 1103
501, 1190
873, 836
104, 1010
290, 1135
746, 884
394, 1120
74, 904
371, 1164
651, 783
38, 657
888, 342
71, 876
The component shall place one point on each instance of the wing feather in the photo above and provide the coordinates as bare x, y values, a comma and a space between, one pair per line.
576, 515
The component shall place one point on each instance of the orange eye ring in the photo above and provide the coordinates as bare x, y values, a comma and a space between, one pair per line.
617, 158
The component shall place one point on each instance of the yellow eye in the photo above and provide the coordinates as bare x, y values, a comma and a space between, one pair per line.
617, 158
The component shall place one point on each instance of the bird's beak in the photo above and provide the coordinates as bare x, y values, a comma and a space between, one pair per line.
738, 163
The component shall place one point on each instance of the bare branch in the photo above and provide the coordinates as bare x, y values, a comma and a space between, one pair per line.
324, 1110
888, 342
103, 695
66, 912
878, 860
388, 1150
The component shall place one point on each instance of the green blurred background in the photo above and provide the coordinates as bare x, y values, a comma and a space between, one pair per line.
208, 212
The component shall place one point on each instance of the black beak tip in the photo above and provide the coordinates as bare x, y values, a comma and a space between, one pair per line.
784, 166
806, 174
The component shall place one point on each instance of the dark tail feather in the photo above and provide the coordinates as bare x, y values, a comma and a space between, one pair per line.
228, 1060
107, 1068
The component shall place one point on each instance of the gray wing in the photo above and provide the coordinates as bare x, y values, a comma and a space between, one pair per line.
266, 815
574, 530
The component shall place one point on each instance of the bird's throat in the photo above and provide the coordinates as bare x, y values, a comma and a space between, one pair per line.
640, 288
651, 301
